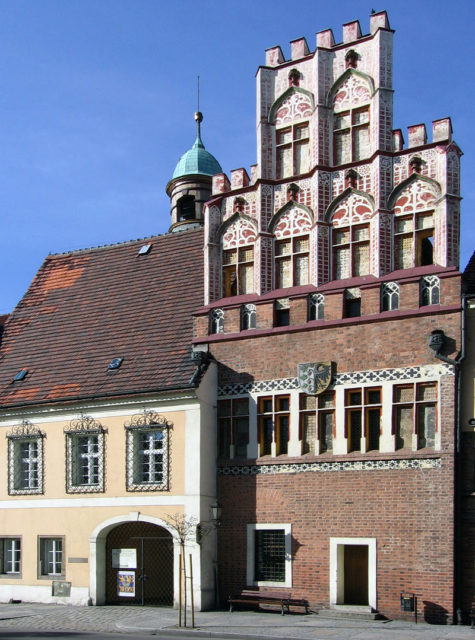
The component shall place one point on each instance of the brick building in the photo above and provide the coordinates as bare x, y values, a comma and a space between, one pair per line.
332, 306
325, 325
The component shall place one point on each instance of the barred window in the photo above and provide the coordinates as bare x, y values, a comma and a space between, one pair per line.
390, 296
25, 459
316, 306
147, 447
217, 321
50, 552
430, 290
269, 554
84, 456
10, 556
248, 317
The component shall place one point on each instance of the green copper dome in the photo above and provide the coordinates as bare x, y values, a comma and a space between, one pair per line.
197, 160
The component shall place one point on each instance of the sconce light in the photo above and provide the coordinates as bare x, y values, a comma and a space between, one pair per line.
216, 513
436, 340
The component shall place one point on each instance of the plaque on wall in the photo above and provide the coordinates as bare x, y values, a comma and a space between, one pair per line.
314, 377
124, 558
61, 589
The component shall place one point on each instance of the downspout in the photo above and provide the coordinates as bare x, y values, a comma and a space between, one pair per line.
436, 342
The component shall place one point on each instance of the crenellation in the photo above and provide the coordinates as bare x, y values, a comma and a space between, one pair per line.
221, 184
442, 130
325, 39
239, 178
299, 48
397, 140
274, 57
378, 20
416, 135
351, 31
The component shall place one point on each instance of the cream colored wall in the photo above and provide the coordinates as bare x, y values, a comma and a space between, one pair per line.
56, 513
76, 524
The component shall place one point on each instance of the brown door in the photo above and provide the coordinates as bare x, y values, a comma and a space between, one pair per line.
356, 574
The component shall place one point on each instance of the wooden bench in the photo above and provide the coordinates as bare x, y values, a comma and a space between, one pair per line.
253, 597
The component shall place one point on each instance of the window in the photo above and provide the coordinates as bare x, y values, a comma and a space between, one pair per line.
25, 460
282, 312
351, 251
147, 452
186, 208
390, 296
316, 306
352, 303
351, 135
269, 553
317, 422
430, 290
291, 262
292, 150
413, 240
363, 418
85, 456
233, 427
248, 317
51, 556
238, 271
10, 556
415, 413
216, 324
273, 425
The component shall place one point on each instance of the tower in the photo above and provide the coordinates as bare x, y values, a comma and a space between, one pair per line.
190, 186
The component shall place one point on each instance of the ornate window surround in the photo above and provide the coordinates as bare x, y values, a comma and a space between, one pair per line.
88, 434
25, 474
152, 461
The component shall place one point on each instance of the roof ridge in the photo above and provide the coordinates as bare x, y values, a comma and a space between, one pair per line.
120, 243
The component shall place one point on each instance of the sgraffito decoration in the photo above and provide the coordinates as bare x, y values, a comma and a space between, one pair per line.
314, 377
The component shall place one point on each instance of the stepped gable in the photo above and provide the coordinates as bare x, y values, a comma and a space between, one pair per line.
85, 308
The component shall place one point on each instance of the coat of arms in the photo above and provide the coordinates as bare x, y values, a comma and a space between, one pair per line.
314, 377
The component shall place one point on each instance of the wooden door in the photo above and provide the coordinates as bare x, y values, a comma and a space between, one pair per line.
356, 574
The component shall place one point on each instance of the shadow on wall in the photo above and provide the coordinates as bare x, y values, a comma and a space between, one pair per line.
435, 614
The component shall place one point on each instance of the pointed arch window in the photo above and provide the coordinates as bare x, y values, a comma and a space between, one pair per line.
316, 306
248, 317
217, 321
390, 296
430, 290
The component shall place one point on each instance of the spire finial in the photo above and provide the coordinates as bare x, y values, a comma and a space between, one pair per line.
198, 114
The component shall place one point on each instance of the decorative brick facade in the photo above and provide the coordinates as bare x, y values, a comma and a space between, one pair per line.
349, 255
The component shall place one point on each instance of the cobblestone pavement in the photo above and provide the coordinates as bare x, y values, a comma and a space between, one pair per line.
219, 624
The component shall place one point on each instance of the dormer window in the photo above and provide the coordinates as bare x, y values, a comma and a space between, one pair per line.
292, 150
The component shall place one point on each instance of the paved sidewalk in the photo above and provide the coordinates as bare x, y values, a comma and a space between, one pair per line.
220, 624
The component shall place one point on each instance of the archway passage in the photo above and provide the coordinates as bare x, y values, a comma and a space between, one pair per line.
139, 565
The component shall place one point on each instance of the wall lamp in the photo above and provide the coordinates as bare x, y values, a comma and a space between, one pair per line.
437, 340
216, 510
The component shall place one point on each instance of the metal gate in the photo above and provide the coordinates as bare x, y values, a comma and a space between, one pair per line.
139, 570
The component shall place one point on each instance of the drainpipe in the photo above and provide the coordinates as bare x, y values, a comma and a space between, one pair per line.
436, 342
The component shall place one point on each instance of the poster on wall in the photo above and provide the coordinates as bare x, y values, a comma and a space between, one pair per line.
124, 558
126, 584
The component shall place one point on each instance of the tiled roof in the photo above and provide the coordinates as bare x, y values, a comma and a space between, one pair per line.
87, 307
468, 278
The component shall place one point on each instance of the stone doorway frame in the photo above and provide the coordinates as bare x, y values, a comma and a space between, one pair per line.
337, 550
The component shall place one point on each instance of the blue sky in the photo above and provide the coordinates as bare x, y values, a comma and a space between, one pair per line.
97, 100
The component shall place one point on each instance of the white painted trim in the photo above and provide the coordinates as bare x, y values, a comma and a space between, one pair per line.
72, 503
336, 568
42, 594
251, 528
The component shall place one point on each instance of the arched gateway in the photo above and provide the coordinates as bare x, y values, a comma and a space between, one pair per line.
132, 562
